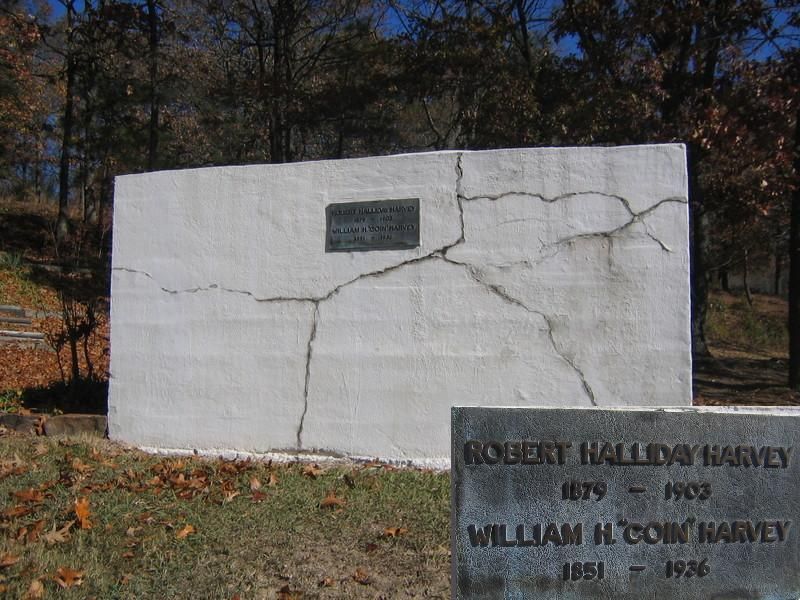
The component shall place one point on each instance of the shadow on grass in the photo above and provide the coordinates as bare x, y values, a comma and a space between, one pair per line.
88, 396
753, 381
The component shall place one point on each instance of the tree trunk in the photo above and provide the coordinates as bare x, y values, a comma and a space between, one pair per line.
62, 224
746, 278
794, 269
778, 272
152, 145
697, 258
723, 279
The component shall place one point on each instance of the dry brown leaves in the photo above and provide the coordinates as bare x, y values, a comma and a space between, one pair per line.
35, 591
27, 534
38, 367
313, 471
30, 496
67, 578
361, 576
185, 532
6, 560
82, 512
332, 501
286, 593
58, 536
14, 466
394, 531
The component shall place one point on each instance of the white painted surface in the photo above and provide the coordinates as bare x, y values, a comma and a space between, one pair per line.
545, 277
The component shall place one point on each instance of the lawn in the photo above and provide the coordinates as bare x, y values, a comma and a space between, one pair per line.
86, 518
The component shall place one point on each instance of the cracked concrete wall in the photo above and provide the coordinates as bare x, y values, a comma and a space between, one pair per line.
544, 277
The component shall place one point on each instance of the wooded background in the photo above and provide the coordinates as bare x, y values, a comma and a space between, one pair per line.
93, 89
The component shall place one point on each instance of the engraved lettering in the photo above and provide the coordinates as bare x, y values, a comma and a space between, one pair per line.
604, 534
496, 535
742, 532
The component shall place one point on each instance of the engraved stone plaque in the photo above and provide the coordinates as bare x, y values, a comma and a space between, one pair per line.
644, 504
373, 225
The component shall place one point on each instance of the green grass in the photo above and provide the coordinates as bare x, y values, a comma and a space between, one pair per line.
283, 540
732, 321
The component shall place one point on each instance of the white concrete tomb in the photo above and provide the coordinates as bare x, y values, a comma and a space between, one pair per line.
543, 277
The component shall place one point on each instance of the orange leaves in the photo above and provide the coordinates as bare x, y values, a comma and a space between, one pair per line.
67, 578
185, 532
6, 560
394, 531
286, 593
312, 471
361, 576
16, 511
14, 466
81, 467
30, 533
29, 496
35, 591
82, 512
332, 501
258, 496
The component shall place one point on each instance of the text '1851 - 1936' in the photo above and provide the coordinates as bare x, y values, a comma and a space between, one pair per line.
550, 503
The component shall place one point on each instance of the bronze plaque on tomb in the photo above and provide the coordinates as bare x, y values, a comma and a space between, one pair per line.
675, 504
372, 225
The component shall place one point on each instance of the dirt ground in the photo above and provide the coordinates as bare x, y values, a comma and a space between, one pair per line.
749, 359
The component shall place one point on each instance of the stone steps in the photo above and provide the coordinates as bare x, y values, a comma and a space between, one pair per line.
14, 324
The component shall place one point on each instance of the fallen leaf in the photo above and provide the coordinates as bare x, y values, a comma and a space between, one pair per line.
255, 484
370, 547
327, 582
58, 536
67, 578
229, 495
34, 531
31, 495
35, 591
40, 449
258, 496
6, 560
82, 512
16, 511
285, 593
132, 531
185, 532
126, 579
128, 554
312, 471
331, 501
81, 467
273, 480
361, 576
394, 531
12, 467
30, 533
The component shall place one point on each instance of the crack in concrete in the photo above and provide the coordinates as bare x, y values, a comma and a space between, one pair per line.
441, 254
309, 351
635, 218
497, 290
